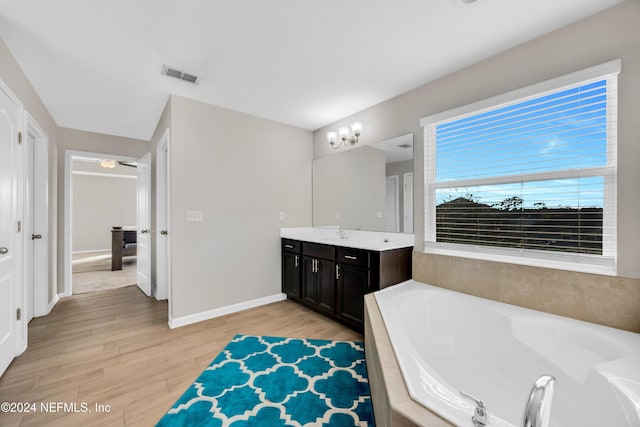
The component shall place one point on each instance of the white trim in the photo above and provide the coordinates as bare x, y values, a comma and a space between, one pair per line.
163, 219
41, 256
599, 72
562, 261
53, 303
17, 214
91, 250
176, 322
599, 264
69, 157
107, 175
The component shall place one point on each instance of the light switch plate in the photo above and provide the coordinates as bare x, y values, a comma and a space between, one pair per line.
195, 216
379, 214
281, 215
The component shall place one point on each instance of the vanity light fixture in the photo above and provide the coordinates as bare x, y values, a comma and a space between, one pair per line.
337, 139
109, 164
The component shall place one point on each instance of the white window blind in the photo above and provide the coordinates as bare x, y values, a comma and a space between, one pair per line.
529, 174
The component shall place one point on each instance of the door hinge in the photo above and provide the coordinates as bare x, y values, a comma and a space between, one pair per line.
19, 226
19, 314
19, 137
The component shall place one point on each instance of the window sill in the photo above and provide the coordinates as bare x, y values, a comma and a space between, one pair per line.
554, 260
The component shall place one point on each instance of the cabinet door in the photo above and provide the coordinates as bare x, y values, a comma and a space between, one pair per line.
309, 287
291, 275
326, 285
353, 283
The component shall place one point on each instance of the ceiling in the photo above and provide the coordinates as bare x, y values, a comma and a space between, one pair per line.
398, 149
97, 64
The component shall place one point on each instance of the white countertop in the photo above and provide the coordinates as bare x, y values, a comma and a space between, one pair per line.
370, 240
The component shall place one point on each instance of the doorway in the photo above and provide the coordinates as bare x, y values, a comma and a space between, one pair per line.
392, 209
88, 170
104, 197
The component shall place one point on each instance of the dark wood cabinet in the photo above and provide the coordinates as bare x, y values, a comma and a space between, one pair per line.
326, 285
353, 284
291, 268
291, 274
333, 279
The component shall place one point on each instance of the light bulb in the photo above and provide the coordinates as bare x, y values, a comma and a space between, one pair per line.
343, 132
356, 127
332, 136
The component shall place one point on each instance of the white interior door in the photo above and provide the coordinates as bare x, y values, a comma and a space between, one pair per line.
391, 214
9, 258
144, 225
29, 227
162, 219
407, 202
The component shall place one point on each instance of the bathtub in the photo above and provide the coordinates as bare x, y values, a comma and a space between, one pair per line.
446, 341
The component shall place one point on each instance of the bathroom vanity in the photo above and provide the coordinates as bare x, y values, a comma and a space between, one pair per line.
331, 275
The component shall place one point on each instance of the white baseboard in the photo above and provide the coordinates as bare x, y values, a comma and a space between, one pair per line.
176, 322
52, 304
91, 250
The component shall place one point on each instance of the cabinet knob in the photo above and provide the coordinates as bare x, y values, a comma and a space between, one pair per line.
163, 232
4, 251
36, 236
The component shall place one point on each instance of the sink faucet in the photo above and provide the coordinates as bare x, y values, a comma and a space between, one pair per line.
342, 233
536, 412
538, 408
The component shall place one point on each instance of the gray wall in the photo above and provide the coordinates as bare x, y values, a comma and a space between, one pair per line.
603, 37
241, 171
353, 184
99, 203
12, 75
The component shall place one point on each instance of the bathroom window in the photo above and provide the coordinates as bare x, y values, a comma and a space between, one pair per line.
528, 176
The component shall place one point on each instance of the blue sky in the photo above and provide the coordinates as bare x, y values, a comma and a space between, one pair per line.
558, 131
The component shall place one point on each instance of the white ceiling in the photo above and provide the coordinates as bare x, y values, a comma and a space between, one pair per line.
96, 63
396, 149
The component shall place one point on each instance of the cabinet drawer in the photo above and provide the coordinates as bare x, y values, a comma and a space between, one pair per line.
291, 245
319, 250
359, 257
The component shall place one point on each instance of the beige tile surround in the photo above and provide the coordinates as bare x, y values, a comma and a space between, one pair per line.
606, 300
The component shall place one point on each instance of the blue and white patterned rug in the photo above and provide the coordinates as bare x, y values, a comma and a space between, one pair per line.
259, 381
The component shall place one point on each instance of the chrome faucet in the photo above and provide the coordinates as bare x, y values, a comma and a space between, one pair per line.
342, 233
538, 408
480, 416
536, 411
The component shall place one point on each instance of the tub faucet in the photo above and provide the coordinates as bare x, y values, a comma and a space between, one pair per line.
480, 416
538, 408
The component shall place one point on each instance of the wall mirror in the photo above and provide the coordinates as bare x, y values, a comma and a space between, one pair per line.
368, 188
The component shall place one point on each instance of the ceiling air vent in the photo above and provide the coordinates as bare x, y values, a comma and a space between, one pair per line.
405, 145
170, 71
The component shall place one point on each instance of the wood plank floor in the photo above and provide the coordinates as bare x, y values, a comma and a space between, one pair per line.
115, 348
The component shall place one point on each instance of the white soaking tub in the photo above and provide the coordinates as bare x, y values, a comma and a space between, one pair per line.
447, 341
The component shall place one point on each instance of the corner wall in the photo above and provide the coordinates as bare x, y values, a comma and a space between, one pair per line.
600, 38
240, 171
14, 77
